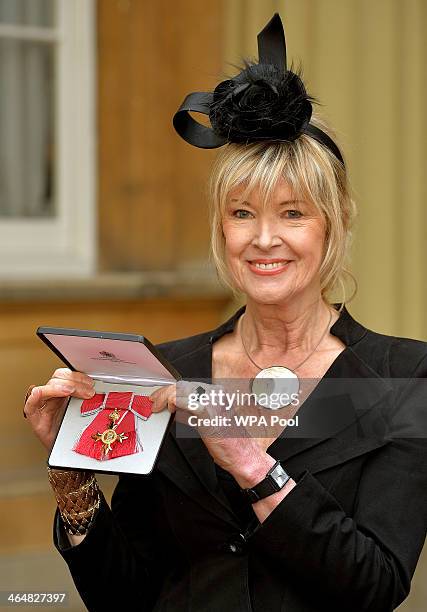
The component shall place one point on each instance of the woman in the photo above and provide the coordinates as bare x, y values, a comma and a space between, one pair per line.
329, 517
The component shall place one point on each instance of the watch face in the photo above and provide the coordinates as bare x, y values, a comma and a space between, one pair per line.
273, 482
280, 476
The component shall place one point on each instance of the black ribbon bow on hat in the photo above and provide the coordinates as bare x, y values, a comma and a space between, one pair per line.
265, 101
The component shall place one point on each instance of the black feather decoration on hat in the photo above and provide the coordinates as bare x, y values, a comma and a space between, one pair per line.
263, 102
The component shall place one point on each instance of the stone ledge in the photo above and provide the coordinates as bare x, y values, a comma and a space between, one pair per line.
117, 286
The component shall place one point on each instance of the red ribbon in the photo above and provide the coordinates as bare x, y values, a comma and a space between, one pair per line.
126, 407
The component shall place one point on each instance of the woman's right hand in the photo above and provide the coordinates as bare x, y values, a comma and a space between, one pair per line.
45, 405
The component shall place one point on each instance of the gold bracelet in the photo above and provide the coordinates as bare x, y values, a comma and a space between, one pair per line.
83, 487
83, 512
78, 497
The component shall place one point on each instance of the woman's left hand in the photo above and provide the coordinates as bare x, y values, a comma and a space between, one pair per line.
234, 447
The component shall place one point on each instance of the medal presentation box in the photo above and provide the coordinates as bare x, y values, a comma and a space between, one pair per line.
115, 431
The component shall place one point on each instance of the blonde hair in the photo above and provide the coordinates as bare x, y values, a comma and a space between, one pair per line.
312, 171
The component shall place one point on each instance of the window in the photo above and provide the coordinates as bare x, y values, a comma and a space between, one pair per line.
47, 166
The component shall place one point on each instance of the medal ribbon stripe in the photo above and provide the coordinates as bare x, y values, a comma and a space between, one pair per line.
113, 431
95, 402
118, 399
141, 404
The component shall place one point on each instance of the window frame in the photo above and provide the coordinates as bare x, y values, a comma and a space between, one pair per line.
64, 245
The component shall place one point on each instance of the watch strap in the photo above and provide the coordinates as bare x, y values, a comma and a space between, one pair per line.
275, 479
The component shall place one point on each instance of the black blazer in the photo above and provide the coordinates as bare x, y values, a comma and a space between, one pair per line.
347, 537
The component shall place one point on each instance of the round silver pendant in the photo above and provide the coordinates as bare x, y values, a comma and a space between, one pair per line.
275, 387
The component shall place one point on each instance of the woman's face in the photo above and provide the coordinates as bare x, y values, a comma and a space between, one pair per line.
274, 253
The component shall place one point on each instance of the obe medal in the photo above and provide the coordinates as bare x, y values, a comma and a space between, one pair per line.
275, 387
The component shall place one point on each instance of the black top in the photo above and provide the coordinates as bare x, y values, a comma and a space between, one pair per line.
240, 505
347, 537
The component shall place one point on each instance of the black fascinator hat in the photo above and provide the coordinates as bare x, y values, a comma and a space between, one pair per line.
264, 102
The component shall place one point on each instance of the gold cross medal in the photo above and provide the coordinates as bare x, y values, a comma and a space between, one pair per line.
110, 436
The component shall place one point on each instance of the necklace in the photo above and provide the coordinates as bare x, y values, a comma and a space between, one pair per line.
278, 380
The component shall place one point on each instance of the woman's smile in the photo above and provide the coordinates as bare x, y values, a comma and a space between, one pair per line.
268, 267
